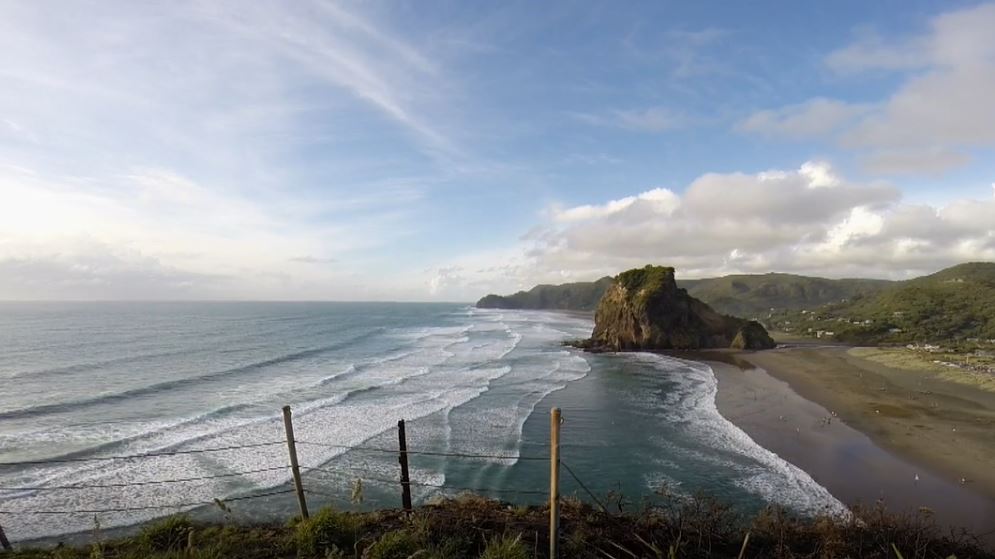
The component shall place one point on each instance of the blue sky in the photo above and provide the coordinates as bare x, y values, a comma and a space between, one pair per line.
442, 150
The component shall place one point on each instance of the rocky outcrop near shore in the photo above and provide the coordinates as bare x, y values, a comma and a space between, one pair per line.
645, 310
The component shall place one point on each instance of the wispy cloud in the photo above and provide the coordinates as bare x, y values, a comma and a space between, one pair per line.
151, 133
940, 110
807, 220
314, 260
650, 119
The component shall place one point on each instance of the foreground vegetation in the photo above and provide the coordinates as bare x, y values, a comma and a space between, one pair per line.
473, 527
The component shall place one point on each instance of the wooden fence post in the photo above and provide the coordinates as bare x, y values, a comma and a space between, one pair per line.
554, 481
403, 460
295, 468
3, 541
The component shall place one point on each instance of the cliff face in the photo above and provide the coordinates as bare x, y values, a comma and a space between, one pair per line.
644, 309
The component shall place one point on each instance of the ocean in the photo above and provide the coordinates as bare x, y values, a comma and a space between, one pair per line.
87, 383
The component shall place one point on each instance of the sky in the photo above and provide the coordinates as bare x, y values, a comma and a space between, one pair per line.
442, 150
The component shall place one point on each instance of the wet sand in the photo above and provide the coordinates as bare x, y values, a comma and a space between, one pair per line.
879, 441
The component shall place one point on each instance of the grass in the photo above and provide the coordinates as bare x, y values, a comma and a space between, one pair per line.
901, 358
474, 527
505, 547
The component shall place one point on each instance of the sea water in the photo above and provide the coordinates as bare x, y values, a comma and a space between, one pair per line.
97, 380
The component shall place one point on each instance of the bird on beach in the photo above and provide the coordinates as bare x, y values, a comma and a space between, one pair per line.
917, 478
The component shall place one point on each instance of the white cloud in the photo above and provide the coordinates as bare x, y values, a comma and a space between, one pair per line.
810, 220
150, 232
937, 114
85, 269
658, 200
813, 118
152, 150
445, 280
929, 161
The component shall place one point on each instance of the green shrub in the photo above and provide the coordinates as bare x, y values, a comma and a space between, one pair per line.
505, 547
447, 549
168, 534
327, 531
393, 545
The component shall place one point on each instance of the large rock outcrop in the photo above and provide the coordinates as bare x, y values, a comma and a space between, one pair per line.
644, 309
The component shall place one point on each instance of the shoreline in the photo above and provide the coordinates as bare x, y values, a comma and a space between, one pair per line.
782, 399
946, 427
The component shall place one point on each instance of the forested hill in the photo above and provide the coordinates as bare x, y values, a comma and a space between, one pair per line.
754, 295
954, 304
579, 296
745, 296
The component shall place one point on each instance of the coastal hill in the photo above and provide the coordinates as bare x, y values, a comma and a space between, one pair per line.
753, 295
579, 296
955, 304
644, 309
745, 295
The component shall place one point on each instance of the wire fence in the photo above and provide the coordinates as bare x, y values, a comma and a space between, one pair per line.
315, 485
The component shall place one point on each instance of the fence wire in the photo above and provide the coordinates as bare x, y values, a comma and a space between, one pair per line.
343, 471
435, 485
140, 483
135, 456
426, 452
148, 507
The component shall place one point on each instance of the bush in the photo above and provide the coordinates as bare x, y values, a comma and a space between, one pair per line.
447, 549
327, 531
168, 534
393, 545
505, 547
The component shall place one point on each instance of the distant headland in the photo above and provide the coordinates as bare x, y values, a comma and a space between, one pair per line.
953, 306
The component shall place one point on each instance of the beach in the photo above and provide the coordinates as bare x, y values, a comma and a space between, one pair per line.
865, 431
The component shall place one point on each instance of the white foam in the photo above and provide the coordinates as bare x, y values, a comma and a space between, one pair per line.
774, 479
436, 372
